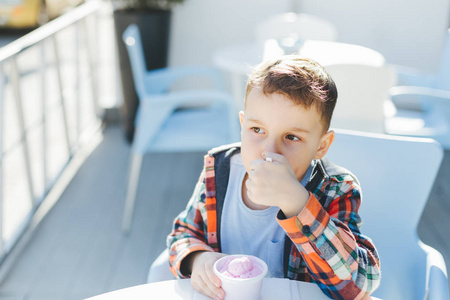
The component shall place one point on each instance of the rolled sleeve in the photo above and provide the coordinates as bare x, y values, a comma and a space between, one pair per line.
177, 256
309, 224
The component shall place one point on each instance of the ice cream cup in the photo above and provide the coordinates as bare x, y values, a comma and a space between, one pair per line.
241, 288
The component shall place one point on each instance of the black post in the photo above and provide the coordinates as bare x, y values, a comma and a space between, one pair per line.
154, 26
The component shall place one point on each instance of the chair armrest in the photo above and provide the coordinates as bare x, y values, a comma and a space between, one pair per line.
419, 91
436, 277
426, 98
412, 76
160, 81
190, 98
202, 98
155, 109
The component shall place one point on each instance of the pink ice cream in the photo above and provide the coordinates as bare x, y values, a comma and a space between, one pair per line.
240, 267
241, 276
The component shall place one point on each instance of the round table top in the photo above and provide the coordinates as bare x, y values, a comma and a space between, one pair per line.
273, 288
241, 58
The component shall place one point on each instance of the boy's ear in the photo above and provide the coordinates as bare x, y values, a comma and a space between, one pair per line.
241, 117
325, 142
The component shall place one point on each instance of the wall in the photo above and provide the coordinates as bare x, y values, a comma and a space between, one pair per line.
407, 32
199, 27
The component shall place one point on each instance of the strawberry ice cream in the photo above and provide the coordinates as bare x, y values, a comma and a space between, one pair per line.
241, 276
240, 267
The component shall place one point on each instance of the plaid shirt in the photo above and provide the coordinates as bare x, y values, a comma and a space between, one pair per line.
325, 244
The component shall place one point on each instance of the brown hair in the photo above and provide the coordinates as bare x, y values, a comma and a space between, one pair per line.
302, 80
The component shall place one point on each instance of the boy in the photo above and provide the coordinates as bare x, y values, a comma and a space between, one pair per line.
275, 196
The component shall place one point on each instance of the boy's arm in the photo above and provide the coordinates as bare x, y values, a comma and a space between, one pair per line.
343, 262
188, 231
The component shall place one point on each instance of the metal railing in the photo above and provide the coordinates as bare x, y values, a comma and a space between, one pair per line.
48, 109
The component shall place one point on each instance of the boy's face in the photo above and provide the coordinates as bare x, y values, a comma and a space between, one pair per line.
273, 123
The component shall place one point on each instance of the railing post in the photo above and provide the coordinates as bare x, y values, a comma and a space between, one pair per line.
92, 58
78, 80
61, 92
43, 72
2, 93
15, 80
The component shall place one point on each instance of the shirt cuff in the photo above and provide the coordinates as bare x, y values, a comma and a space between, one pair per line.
308, 224
178, 259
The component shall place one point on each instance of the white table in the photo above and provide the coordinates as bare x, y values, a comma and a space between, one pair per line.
273, 288
238, 60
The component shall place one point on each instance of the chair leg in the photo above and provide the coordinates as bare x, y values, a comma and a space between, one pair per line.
133, 181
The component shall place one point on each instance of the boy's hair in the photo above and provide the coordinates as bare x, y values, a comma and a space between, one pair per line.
302, 80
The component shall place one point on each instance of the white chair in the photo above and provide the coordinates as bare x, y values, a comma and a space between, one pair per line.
439, 80
431, 120
363, 96
408, 76
188, 120
290, 28
423, 101
160, 269
366, 97
396, 176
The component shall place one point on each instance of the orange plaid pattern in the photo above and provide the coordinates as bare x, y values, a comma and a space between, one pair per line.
327, 245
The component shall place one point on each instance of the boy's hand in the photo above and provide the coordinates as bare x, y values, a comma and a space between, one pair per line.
273, 183
203, 278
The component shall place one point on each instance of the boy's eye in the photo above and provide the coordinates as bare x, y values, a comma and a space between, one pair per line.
292, 137
257, 130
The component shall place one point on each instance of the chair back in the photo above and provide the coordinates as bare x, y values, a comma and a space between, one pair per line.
297, 26
133, 42
443, 76
363, 92
396, 176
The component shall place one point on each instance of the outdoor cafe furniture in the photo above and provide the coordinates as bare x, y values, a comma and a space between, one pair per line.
187, 120
238, 60
423, 101
432, 120
396, 176
368, 101
291, 28
273, 288
408, 76
363, 96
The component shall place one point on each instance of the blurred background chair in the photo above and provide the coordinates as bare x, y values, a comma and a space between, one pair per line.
363, 96
408, 76
432, 119
368, 98
439, 80
288, 30
396, 176
160, 268
174, 121
423, 102
291, 29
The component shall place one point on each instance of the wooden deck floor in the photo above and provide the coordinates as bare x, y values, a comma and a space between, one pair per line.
78, 250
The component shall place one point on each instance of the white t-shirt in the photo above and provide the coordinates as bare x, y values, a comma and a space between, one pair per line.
252, 232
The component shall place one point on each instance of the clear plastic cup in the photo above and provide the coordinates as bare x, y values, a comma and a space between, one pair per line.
241, 288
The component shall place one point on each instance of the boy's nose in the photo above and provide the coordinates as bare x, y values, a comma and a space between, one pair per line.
272, 146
